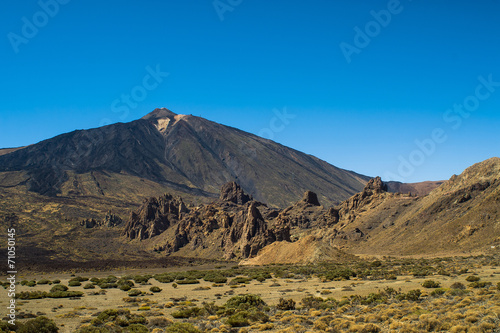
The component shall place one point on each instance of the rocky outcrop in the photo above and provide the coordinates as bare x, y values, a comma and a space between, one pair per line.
373, 188
310, 198
233, 226
155, 216
308, 213
110, 220
233, 192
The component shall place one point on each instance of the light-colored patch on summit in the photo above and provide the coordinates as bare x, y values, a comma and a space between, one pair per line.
162, 124
179, 117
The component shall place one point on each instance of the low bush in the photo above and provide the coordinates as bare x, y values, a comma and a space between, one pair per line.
480, 284
64, 294
188, 281
155, 289
245, 318
58, 287
286, 304
458, 285
431, 284
239, 280
244, 302
188, 312
472, 278
38, 325
134, 292
44, 281
438, 292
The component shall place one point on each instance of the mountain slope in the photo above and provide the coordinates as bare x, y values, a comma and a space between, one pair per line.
178, 153
460, 216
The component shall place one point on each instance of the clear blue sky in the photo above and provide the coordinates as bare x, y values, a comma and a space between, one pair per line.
364, 114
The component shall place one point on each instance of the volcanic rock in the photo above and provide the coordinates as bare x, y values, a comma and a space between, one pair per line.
233, 192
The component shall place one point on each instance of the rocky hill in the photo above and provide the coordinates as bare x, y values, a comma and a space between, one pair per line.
461, 216
166, 152
234, 226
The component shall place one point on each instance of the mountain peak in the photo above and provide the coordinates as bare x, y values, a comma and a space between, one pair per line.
160, 113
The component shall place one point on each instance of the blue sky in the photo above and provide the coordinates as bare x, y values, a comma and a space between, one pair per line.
386, 109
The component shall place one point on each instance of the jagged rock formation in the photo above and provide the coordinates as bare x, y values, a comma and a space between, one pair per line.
233, 192
308, 213
155, 216
110, 220
232, 227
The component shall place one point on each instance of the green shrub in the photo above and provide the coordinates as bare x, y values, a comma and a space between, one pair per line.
27, 283
74, 283
188, 312
286, 304
155, 289
312, 302
107, 285
188, 281
38, 325
44, 281
431, 284
457, 285
6, 327
31, 294
137, 328
121, 317
58, 287
56, 281
245, 318
339, 273
438, 292
125, 285
412, 295
141, 279
245, 301
215, 278
79, 279
480, 284
88, 286
134, 292
472, 278
64, 294
373, 298
239, 280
